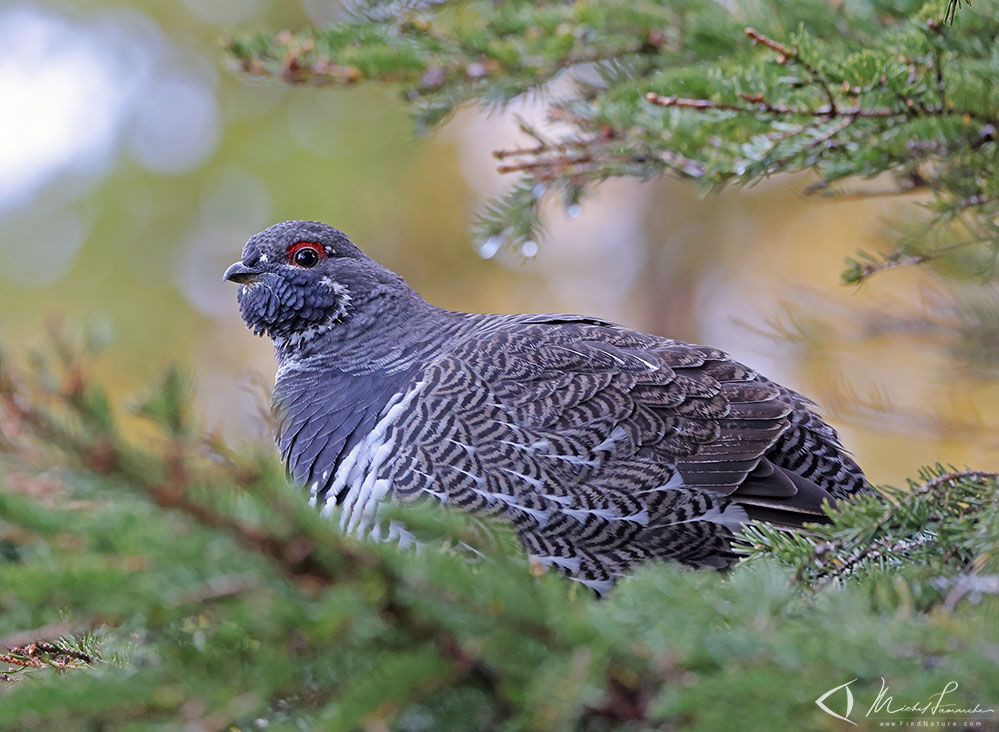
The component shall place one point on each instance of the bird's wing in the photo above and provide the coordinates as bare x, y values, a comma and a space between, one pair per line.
602, 444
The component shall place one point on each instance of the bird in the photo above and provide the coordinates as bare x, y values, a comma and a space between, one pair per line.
603, 447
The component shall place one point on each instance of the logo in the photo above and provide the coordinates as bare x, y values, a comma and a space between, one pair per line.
934, 711
821, 701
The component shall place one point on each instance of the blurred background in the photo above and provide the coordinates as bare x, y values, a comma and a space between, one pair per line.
133, 167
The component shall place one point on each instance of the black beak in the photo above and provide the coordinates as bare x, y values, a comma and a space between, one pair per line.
240, 273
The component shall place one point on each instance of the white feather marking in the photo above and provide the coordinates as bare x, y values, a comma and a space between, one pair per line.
401, 535
475, 478
290, 364
601, 586
359, 469
577, 513
467, 448
675, 482
642, 517
616, 435
733, 516
605, 513
616, 358
537, 514
375, 494
574, 460
490, 497
560, 500
517, 445
608, 514
648, 364
587, 356
441, 496
533, 482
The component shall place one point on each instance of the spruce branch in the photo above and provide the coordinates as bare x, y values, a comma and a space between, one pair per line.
891, 91
62, 655
865, 538
191, 558
312, 554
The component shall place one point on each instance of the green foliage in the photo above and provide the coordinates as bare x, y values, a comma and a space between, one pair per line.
152, 577
944, 526
714, 92
172, 583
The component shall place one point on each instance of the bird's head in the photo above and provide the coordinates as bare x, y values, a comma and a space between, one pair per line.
302, 279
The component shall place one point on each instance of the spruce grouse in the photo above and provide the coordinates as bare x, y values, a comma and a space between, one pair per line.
602, 446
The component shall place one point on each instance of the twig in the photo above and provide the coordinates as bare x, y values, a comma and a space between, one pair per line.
765, 107
521, 151
892, 261
296, 555
899, 259
973, 475
53, 649
14, 660
785, 54
558, 162
843, 196
831, 108
875, 543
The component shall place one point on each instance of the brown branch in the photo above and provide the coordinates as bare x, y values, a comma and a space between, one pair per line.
693, 103
521, 151
893, 261
934, 483
786, 54
875, 544
559, 162
783, 52
899, 259
14, 660
296, 555
861, 195
765, 107
52, 649
830, 110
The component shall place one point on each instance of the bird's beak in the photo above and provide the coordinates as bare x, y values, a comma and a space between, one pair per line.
240, 273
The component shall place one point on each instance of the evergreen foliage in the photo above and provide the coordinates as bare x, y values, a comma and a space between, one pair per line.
166, 581
154, 577
714, 92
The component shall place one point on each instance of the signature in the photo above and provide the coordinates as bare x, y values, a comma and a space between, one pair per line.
885, 704
934, 705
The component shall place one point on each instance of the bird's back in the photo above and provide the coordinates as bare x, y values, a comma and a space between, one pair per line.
604, 447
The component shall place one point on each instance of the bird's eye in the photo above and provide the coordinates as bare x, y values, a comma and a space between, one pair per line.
305, 254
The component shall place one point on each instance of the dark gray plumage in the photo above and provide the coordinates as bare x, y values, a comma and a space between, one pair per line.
604, 447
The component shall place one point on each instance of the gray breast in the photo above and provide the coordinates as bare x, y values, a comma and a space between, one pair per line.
331, 426
357, 488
